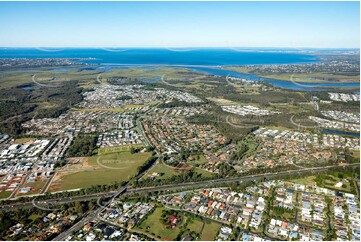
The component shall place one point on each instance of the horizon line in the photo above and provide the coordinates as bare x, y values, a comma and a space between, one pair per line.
183, 47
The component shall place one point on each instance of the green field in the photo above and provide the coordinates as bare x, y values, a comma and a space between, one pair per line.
43, 76
198, 160
203, 172
154, 225
210, 231
308, 180
190, 224
329, 180
318, 77
103, 169
195, 224
313, 78
4, 194
167, 172
163, 171
169, 72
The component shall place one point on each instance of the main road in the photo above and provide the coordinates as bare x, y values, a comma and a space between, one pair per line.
208, 183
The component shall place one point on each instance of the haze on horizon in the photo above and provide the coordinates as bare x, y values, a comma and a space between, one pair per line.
180, 24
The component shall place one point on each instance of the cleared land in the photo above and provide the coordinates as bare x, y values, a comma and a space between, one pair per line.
23, 140
100, 170
35, 186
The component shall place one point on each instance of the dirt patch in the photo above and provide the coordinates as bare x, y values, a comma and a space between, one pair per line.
86, 163
57, 180
222, 101
75, 164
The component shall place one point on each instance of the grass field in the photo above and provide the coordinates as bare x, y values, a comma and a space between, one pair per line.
154, 226
4, 194
167, 172
313, 78
146, 73
201, 160
195, 225
308, 180
328, 181
300, 77
43, 76
203, 172
162, 169
101, 170
128, 106
210, 231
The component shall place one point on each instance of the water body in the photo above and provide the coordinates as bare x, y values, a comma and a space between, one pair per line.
340, 132
162, 56
300, 86
219, 71
209, 61
27, 87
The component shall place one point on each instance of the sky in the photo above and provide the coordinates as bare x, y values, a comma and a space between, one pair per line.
180, 24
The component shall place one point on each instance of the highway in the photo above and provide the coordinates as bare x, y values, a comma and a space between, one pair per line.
208, 183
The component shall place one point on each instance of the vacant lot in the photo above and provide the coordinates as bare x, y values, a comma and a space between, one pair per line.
210, 231
195, 224
101, 170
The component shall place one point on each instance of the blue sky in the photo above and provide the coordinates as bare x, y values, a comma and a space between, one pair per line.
180, 24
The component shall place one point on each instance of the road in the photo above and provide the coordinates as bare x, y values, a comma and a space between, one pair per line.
86, 219
172, 186
45, 187
140, 127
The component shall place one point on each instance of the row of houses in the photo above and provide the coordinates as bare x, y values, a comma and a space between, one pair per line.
119, 138
331, 124
248, 110
342, 116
